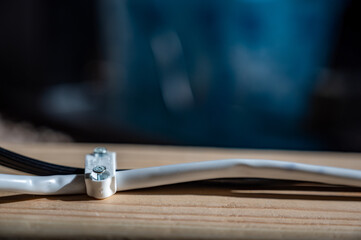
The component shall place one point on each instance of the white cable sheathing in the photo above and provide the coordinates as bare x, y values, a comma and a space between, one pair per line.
235, 168
43, 185
177, 173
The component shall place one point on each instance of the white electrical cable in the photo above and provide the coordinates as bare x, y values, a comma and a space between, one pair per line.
43, 185
177, 173
235, 168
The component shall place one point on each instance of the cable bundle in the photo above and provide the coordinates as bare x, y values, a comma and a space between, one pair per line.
57, 179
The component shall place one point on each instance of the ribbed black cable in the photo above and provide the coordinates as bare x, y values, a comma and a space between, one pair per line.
29, 165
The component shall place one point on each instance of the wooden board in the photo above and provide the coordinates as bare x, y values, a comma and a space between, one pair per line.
242, 210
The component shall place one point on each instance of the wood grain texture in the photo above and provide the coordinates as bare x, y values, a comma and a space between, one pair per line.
202, 210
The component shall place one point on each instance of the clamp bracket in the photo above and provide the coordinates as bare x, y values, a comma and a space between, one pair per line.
100, 167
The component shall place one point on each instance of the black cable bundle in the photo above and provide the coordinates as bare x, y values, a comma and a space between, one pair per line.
29, 165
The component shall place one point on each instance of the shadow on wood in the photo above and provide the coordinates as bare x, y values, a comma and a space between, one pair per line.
243, 188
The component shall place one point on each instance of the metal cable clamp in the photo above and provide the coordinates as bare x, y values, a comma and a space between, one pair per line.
100, 179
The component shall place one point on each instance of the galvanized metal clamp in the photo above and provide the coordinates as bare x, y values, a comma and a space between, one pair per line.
100, 168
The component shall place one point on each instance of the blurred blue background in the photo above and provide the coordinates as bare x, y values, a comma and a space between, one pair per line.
280, 74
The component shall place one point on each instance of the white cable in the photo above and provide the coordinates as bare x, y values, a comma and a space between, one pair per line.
177, 173
235, 168
43, 185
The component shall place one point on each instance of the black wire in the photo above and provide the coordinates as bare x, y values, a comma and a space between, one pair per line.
33, 166
30, 165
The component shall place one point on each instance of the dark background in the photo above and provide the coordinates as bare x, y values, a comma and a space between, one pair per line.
56, 50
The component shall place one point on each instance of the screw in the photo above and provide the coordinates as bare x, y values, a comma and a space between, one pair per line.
99, 173
100, 150
99, 169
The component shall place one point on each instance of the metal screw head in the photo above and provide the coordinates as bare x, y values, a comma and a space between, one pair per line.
99, 169
100, 150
